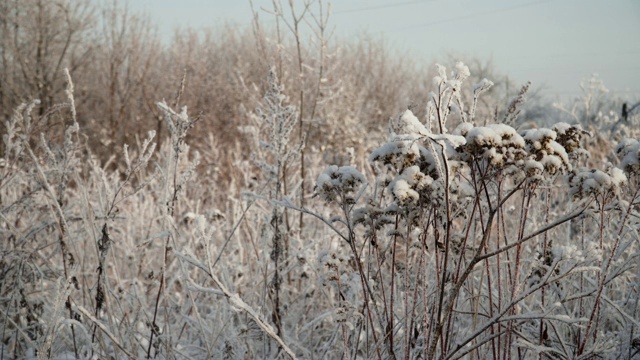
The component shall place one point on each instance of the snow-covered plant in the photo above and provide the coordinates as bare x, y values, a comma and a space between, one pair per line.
459, 236
275, 148
38, 174
339, 184
473, 242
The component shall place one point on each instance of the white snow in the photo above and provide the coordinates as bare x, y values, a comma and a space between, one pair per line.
482, 86
461, 72
408, 123
403, 192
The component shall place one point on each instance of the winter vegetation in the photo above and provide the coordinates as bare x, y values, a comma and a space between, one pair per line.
326, 201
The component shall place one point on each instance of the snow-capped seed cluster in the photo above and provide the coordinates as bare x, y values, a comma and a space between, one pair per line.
541, 144
463, 129
461, 72
408, 124
333, 260
569, 136
482, 86
339, 182
458, 75
406, 187
415, 159
594, 182
499, 144
399, 154
629, 151
415, 174
372, 217
535, 150
532, 168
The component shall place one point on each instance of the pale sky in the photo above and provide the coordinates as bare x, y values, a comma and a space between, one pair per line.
554, 43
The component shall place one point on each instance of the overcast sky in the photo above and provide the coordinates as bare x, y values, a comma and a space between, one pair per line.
554, 43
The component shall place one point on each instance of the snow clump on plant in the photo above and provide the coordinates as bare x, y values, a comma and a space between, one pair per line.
629, 151
595, 182
499, 144
339, 183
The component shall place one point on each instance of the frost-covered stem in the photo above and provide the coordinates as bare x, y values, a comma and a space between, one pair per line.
425, 318
276, 281
491, 303
581, 301
499, 231
467, 232
277, 250
391, 291
428, 316
605, 271
479, 179
406, 293
507, 266
280, 46
235, 228
104, 242
58, 201
237, 303
480, 189
453, 294
194, 303
496, 318
456, 288
157, 302
495, 350
63, 227
161, 288
165, 256
103, 328
414, 307
356, 346
595, 314
366, 288
447, 108
301, 135
461, 107
287, 223
544, 252
524, 213
442, 292
342, 326
382, 289
601, 224
532, 235
472, 113
178, 125
322, 25
437, 245
324, 221
438, 105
